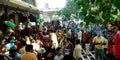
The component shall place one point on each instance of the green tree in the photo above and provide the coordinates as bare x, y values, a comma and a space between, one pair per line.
68, 10
97, 11
92, 11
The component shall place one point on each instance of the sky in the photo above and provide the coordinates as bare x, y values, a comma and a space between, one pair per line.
51, 3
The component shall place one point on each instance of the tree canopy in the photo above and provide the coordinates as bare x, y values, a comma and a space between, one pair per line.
92, 11
68, 10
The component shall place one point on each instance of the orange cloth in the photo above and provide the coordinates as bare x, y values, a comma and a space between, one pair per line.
28, 56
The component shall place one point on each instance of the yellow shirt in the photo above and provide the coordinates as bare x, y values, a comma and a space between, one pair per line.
100, 40
59, 36
28, 56
77, 51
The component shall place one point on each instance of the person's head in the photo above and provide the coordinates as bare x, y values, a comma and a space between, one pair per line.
57, 31
85, 31
68, 40
99, 34
65, 35
29, 48
2, 49
77, 41
12, 52
51, 31
109, 31
12, 37
78, 30
23, 43
59, 51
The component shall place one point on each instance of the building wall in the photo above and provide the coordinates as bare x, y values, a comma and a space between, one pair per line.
30, 2
18, 10
12, 9
48, 16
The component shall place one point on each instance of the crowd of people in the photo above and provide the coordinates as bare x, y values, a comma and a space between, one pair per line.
54, 42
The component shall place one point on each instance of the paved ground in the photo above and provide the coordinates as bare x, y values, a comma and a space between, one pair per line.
91, 56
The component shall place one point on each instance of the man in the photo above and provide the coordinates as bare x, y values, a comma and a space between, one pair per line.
78, 50
79, 34
29, 53
59, 55
54, 38
116, 50
109, 51
13, 55
99, 42
59, 36
22, 50
68, 47
86, 41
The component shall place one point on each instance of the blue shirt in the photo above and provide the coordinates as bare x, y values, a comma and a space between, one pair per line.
58, 57
9, 45
17, 57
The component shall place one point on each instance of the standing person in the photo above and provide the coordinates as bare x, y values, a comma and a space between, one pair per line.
99, 42
40, 26
29, 53
116, 50
40, 34
27, 30
86, 41
77, 50
79, 34
69, 32
68, 47
72, 37
18, 44
49, 47
92, 45
22, 50
59, 55
62, 43
110, 37
54, 38
59, 36
13, 55
34, 32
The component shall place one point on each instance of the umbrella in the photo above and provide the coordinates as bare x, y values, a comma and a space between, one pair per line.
40, 19
10, 24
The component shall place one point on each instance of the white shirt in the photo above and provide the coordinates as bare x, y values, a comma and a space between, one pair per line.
36, 46
79, 35
54, 39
